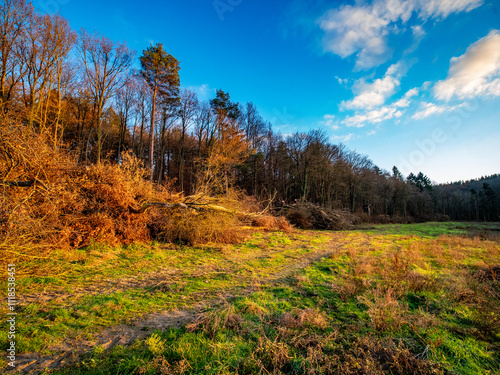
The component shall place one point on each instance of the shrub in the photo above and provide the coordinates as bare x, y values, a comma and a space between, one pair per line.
385, 311
269, 222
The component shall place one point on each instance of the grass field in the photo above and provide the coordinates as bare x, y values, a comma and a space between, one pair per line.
392, 299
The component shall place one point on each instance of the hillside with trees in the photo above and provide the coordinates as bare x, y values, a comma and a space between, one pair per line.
73, 108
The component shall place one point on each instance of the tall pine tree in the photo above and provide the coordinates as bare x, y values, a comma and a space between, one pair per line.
161, 72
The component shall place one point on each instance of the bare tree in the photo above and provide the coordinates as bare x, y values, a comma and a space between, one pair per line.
64, 71
188, 107
105, 63
203, 120
167, 119
81, 104
126, 101
14, 14
141, 110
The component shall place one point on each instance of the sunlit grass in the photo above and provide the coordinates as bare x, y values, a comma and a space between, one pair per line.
405, 299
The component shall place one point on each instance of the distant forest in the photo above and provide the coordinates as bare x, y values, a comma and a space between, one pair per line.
81, 91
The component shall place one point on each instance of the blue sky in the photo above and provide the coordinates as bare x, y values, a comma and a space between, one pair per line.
413, 83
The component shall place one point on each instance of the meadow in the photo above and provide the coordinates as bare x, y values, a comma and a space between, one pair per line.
387, 299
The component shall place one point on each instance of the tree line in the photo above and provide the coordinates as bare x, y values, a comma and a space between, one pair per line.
80, 89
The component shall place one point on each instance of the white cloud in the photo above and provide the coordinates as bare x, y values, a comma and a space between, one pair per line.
203, 92
443, 8
363, 29
405, 100
394, 110
329, 121
374, 94
352, 29
341, 81
375, 116
418, 35
342, 138
474, 73
418, 31
426, 85
428, 109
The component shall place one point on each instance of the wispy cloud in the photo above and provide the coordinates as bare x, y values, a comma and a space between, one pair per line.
375, 94
382, 112
476, 72
341, 81
428, 109
330, 121
374, 116
418, 35
204, 92
342, 138
406, 99
443, 8
363, 29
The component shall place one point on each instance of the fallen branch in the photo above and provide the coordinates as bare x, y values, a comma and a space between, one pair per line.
18, 183
158, 204
24, 183
196, 207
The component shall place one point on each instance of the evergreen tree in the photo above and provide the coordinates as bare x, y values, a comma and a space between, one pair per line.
161, 72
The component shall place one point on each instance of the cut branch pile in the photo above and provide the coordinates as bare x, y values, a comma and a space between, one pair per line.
48, 201
310, 216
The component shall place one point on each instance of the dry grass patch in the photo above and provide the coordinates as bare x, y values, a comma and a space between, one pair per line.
301, 318
268, 222
213, 321
386, 312
251, 307
370, 355
272, 355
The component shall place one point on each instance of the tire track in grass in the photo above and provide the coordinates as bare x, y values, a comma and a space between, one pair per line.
126, 334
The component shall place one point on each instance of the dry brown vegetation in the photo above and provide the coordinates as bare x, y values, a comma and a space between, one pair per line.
381, 281
310, 216
304, 318
307, 215
270, 222
67, 205
304, 331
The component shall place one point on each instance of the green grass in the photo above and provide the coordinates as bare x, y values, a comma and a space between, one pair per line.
433, 229
192, 274
394, 299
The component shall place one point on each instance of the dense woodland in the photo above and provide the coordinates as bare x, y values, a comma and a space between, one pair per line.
94, 98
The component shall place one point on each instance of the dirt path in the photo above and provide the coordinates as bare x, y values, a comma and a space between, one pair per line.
73, 350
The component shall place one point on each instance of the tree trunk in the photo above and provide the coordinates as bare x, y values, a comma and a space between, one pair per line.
152, 136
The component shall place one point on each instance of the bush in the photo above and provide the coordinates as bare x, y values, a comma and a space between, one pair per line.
269, 222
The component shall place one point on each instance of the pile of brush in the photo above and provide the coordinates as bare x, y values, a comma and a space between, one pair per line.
307, 215
47, 200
